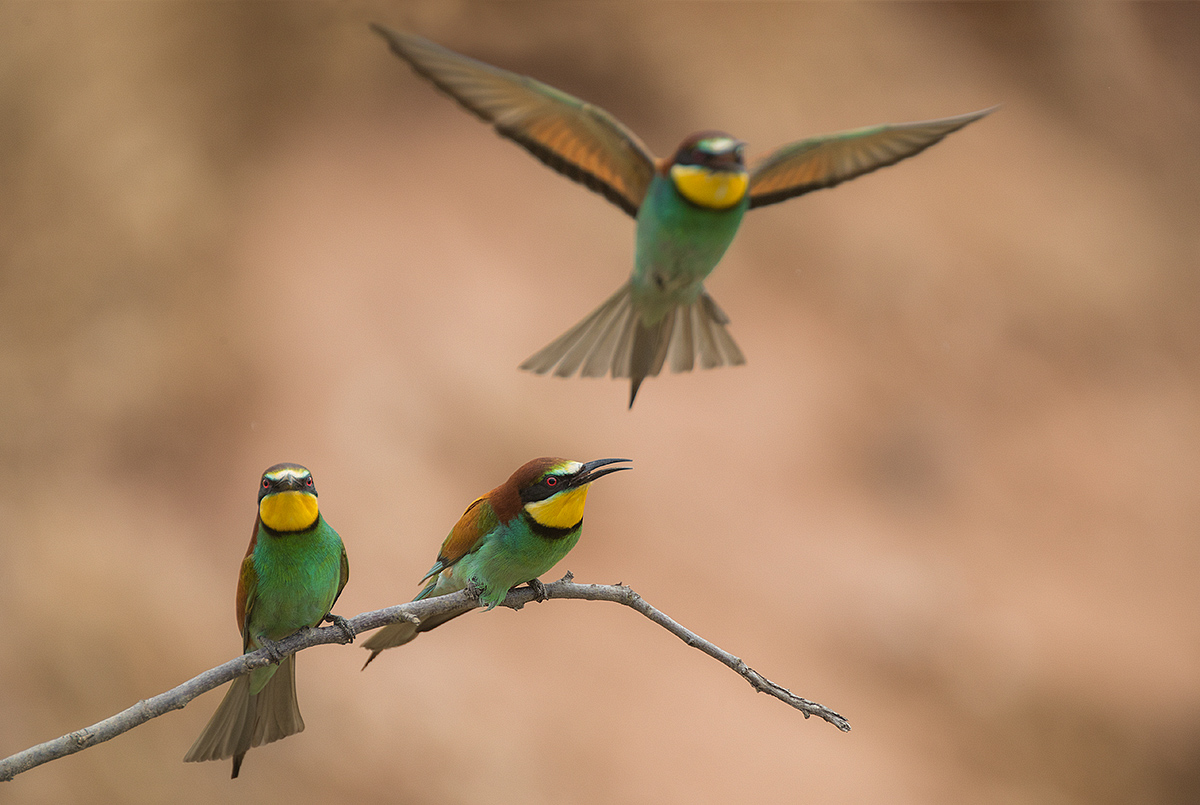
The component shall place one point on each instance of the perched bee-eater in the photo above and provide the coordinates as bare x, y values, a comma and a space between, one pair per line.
510, 536
688, 207
294, 571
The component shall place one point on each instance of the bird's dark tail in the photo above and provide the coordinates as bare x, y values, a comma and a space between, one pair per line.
244, 720
397, 634
613, 338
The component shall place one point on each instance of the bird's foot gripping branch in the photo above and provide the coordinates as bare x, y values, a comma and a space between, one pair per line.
517, 598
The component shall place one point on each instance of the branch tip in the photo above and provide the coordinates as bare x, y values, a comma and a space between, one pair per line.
269, 654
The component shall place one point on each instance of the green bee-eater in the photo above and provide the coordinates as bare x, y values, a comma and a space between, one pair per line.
294, 571
510, 536
688, 208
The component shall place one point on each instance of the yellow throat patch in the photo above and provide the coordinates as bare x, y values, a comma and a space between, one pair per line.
716, 190
289, 511
563, 510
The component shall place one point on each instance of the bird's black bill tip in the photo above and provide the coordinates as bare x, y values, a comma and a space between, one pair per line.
598, 469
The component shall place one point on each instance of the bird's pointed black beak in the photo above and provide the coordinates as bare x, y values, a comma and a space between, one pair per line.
592, 470
291, 484
730, 160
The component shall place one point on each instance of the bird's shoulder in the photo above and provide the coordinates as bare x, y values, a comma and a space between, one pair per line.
476, 523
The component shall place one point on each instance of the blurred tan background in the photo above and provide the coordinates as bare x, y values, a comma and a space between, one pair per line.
952, 495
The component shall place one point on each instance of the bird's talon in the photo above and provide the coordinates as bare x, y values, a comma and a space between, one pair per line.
272, 649
342, 624
539, 590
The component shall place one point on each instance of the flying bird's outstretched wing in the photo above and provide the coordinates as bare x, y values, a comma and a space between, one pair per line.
825, 161
580, 141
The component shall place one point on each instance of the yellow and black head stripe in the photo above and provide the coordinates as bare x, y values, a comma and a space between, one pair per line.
549, 532
553, 506
282, 477
714, 150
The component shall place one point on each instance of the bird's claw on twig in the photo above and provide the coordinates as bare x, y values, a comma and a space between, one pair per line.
342, 624
539, 590
272, 648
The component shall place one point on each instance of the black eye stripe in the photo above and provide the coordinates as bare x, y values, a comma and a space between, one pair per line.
549, 486
273, 483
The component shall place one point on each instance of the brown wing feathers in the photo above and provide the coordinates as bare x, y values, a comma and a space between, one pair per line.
580, 141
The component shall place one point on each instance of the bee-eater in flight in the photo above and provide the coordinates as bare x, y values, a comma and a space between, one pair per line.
294, 571
688, 207
510, 536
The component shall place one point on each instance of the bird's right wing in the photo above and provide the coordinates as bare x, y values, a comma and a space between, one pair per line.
247, 597
580, 141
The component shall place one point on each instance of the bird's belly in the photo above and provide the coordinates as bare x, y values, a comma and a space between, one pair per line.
678, 246
670, 265
670, 277
510, 559
294, 592
278, 616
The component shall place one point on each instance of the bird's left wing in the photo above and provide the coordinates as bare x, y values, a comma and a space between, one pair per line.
343, 577
580, 141
834, 158
466, 536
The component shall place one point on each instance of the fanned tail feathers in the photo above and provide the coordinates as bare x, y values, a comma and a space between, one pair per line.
243, 721
595, 339
613, 339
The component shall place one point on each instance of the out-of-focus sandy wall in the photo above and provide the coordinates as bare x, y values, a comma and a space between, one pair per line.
953, 493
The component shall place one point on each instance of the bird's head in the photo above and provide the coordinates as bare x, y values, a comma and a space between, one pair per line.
287, 498
552, 491
709, 170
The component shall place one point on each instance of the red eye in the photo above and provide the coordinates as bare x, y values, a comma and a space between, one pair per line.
551, 481
266, 484
308, 481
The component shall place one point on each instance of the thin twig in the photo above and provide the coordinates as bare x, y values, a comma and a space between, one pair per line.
176, 698
620, 594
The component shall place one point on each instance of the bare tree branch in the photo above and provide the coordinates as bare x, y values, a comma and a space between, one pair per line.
176, 698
